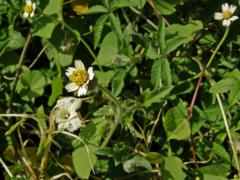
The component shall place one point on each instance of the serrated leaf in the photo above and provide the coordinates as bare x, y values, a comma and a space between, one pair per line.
118, 82
156, 96
164, 7
161, 38
156, 73
177, 34
176, 123
224, 85
98, 28
116, 25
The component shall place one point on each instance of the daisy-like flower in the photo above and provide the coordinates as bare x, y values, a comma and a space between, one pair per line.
29, 9
66, 114
80, 78
227, 14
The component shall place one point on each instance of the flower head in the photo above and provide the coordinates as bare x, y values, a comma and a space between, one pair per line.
80, 78
66, 114
227, 14
29, 9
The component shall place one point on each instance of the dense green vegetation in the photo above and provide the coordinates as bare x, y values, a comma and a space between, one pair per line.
119, 89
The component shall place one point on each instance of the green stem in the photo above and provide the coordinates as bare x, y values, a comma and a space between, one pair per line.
228, 132
76, 33
118, 116
218, 47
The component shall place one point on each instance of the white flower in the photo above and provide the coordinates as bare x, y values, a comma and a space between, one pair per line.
227, 14
72, 124
29, 9
80, 78
66, 114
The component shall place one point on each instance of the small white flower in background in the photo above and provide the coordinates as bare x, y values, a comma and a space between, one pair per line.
227, 14
80, 78
29, 9
66, 114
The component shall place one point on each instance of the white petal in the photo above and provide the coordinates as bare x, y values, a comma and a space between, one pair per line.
32, 14
82, 90
233, 18
25, 14
226, 22
79, 64
73, 124
232, 8
69, 71
74, 105
34, 6
71, 87
29, 2
225, 7
218, 16
90, 73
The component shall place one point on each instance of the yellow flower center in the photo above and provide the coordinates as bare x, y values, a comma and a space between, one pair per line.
28, 9
80, 77
227, 14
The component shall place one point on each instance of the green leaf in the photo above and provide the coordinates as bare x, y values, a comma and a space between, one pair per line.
221, 152
156, 96
10, 39
172, 168
176, 123
118, 82
116, 25
177, 34
224, 85
154, 157
61, 46
31, 84
98, 28
84, 159
175, 42
213, 177
46, 23
156, 73
161, 38
164, 7
44, 26
104, 77
218, 169
108, 50
116, 4
106, 110
57, 88
138, 3
132, 164
231, 82
97, 9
